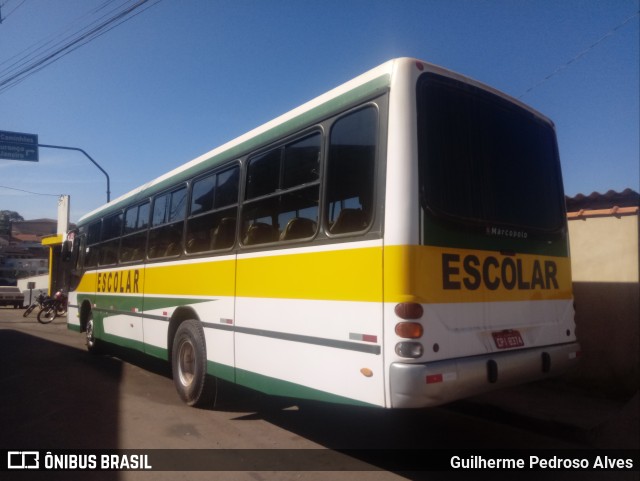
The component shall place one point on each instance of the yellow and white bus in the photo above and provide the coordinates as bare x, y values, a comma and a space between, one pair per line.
399, 241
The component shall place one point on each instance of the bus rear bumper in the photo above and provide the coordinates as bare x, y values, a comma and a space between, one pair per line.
435, 383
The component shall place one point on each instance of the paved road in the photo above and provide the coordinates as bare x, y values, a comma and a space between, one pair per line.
54, 395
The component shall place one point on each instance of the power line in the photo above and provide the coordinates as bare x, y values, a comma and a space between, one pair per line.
25, 67
29, 192
581, 54
35, 49
11, 12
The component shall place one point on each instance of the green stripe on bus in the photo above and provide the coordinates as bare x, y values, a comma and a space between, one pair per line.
279, 387
221, 371
438, 235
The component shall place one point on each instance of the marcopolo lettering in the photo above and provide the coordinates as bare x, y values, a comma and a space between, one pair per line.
119, 282
471, 272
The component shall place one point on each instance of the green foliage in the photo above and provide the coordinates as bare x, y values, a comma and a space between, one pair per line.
6, 218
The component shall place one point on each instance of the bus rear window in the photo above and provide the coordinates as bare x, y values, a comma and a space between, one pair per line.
485, 160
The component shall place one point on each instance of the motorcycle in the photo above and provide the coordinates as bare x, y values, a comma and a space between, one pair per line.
53, 307
38, 302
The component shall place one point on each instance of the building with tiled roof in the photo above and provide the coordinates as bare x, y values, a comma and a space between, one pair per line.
603, 230
605, 265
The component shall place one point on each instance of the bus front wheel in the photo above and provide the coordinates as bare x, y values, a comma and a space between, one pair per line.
189, 365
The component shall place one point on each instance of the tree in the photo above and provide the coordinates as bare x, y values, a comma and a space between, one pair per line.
6, 218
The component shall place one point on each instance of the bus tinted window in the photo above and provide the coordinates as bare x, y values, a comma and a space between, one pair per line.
136, 218
263, 174
291, 175
93, 249
143, 216
165, 236
202, 195
178, 205
214, 206
227, 187
133, 244
111, 230
485, 160
160, 210
111, 227
350, 172
301, 163
130, 219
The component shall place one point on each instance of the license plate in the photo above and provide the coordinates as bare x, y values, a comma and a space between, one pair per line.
507, 339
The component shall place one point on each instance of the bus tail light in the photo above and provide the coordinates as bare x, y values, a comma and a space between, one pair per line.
410, 350
409, 310
409, 330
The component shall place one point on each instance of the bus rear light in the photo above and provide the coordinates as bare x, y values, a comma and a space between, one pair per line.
410, 350
409, 330
409, 310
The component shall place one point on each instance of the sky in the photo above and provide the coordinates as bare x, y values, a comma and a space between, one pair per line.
185, 76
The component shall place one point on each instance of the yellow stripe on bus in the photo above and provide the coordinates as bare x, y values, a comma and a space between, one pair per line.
339, 275
408, 273
447, 275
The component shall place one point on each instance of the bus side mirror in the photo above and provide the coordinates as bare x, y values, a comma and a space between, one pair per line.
66, 250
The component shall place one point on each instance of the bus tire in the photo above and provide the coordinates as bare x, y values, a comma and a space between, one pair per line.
92, 343
189, 365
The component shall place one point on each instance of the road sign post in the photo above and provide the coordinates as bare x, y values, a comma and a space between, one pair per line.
19, 146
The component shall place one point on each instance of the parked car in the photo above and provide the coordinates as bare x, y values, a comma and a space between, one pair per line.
11, 296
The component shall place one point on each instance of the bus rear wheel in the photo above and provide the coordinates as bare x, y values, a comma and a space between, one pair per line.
189, 365
93, 345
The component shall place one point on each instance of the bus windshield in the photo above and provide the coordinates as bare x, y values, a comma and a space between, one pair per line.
485, 161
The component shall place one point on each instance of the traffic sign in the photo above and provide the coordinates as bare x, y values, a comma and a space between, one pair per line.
18, 146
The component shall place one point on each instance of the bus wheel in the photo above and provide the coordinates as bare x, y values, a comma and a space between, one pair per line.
189, 365
93, 345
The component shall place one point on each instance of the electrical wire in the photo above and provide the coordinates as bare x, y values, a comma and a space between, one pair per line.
581, 54
3, 18
32, 63
36, 48
29, 192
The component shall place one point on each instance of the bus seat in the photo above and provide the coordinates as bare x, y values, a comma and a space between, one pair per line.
298, 228
260, 233
197, 244
224, 235
173, 249
349, 220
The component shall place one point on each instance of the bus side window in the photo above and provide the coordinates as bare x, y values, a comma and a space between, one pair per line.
350, 172
92, 251
213, 212
283, 192
134, 240
165, 236
111, 230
